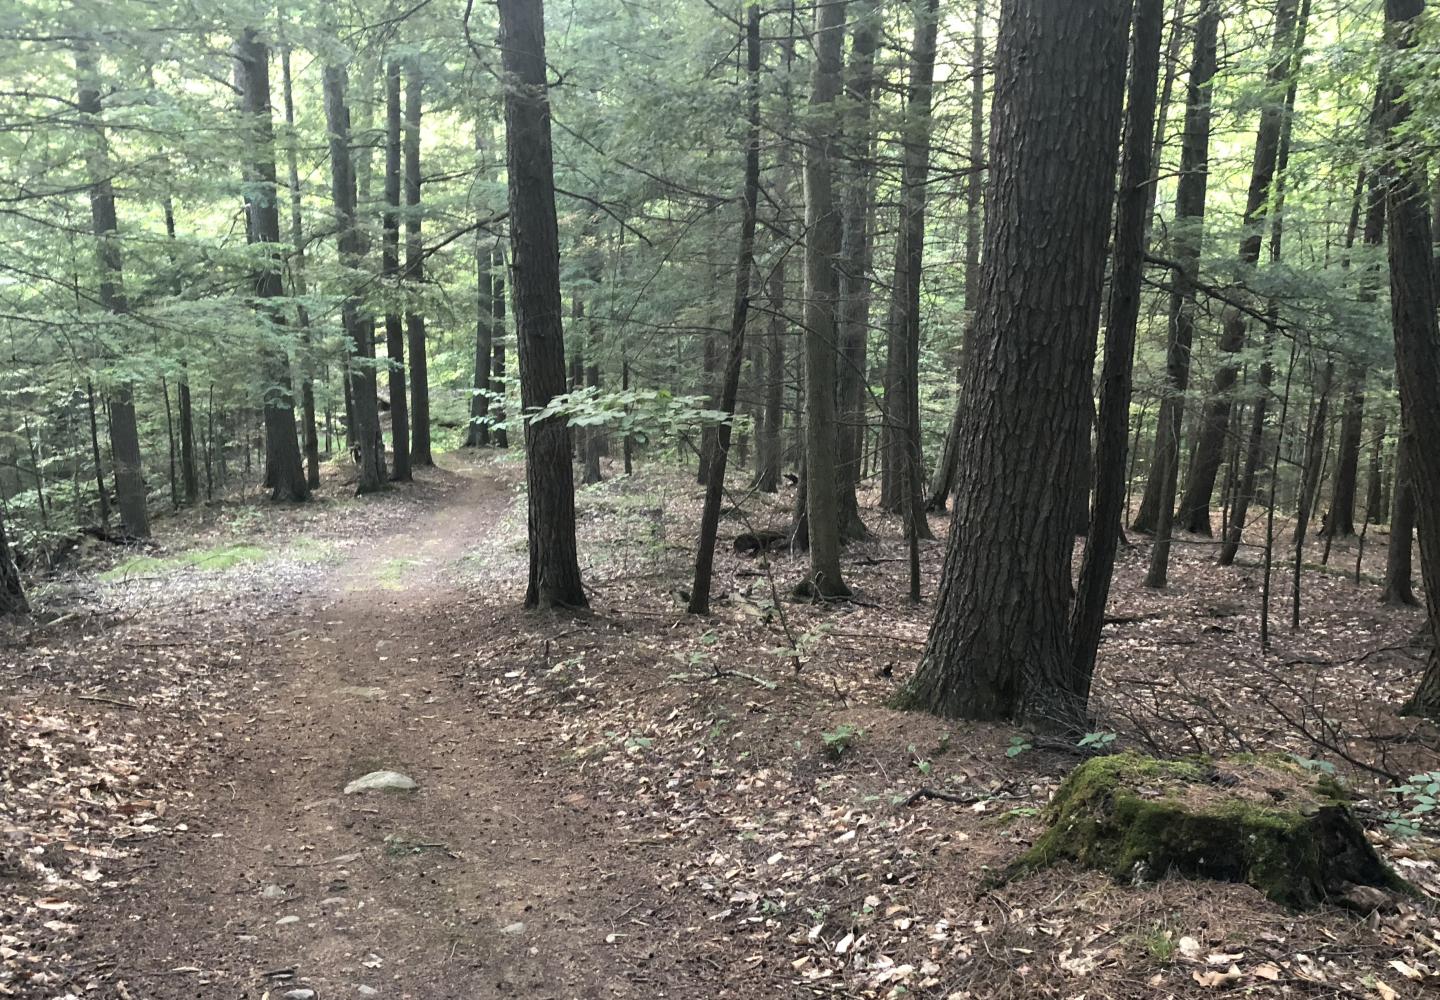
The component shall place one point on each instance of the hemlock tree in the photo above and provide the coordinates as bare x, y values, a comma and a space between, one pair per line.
822, 249
284, 471
1417, 332
415, 274
534, 240
999, 647
390, 268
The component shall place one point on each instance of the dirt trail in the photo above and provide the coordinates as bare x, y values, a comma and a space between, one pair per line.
488, 881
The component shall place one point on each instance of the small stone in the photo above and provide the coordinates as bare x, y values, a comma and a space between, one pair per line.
384, 781
286, 921
332, 901
367, 991
273, 891
367, 693
301, 994
516, 928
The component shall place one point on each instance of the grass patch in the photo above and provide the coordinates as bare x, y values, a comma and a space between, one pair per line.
391, 573
217, 559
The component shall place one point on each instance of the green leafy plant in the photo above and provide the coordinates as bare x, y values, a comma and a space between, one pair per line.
1097, 741
1018, 745
836, 741
1420, 797
921, 765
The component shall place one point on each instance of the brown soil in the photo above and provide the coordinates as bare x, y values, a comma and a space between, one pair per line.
653, 797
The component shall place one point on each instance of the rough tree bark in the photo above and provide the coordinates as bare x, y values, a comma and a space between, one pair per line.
822, 248
1112, 424
130, 493
554, 579
284, 467
390, 270
1399, 590
12, 592
497, 365
1417, 333
745, 262
999, 647
364, 423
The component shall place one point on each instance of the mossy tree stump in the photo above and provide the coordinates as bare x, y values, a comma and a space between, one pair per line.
1264, 821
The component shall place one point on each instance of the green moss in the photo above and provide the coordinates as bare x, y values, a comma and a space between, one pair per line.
1138, 818
218, 559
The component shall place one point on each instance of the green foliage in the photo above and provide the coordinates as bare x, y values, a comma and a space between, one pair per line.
836, 741
1018, 745
217, 559
1419, 799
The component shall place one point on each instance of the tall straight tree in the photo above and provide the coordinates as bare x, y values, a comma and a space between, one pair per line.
999, 646
284, 469
1160, 485
360, 377
902, 488
1417, 334
740, 309
477, 435
1194, 511
130, 493
822, 249
1112, 425
310, 431
944, 479
554, 579
390, 268
855, 258
415, 272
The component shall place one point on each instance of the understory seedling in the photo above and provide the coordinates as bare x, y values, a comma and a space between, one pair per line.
1097, 741
1419, 798
1018, 745
840, 739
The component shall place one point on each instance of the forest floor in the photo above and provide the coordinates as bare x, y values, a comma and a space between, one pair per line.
632, 802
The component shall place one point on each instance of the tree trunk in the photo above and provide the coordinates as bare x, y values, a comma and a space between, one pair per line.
554, 579
853, 317
12, 592
944, 480
1399, 570
1310, 481
1112, 424
1286, 51
390, 272
364, 423
497, 367
1340, 522
415, 274
189, 474
1164, 469
477, 435
822, 250
768, 443
1375, 512
999, 647
715, 475
130, 493
310, 431
902, 466
1157, 506
1417, 335
284, 469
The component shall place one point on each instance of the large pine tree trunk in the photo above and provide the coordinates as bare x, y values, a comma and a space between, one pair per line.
1112, 423
855, 253
284, 469
554, 579
497, 365
1417, 336
415, 274
189, 473
745, 262
478, 433
768, 447
1194, 512
130, 493
1399, 588
999, 647
822, 249
390, 271
363, 425
1340, 522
